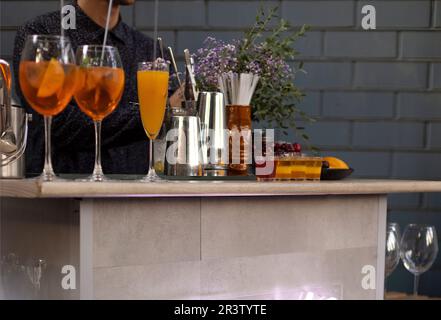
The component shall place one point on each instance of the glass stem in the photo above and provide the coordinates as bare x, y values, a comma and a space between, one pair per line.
48, 171
97, 170
416, 281
151, 164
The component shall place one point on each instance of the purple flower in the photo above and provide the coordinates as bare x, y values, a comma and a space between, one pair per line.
218, 57
215, 58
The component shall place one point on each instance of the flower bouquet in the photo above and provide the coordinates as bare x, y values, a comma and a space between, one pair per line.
258, 70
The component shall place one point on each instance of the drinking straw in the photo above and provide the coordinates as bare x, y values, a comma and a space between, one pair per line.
238, 88
161, 47
190, 70
61, 17
106, 30
172, 57
155, 30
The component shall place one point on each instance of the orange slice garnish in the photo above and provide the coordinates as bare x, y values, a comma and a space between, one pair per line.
53, 79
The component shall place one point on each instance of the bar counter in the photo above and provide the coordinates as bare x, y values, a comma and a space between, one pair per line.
199, 240
33, 188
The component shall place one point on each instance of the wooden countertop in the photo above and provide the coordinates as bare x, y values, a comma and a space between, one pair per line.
33, 188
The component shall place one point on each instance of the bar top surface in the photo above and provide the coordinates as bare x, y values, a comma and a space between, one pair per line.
33, 188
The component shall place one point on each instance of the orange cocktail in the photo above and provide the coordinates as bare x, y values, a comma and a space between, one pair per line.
152, 93
152, 81
99, 90
47, 77
47, 85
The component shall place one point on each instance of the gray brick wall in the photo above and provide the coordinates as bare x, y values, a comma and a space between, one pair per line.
376, 94
360, 44
436, 76
400, 14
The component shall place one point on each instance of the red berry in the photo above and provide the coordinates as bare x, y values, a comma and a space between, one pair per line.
297, 147
290, 148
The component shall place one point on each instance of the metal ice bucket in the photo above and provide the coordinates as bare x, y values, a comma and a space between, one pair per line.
12, 165
13, 129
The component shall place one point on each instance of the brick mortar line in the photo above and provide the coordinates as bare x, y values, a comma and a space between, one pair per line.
370, 89
321, 104
391, 158
427, 135
399, 45
206, 12
184, 28
377, 150
430, 76
379, 119
432, 14
355, 17
337, 148
349, 59
436, 7
322, 43
352, 76
207, 27
351, 133
395, 101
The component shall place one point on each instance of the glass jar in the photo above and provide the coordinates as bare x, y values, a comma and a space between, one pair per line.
239, 126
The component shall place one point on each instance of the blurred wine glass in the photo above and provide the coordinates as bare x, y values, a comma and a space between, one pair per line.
419, 248
396, 227
392, 248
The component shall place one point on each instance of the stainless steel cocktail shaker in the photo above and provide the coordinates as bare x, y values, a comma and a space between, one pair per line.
183, 152
211, 110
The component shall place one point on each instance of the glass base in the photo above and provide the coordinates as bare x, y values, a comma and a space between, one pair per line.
152, 177
49, 176
94, 178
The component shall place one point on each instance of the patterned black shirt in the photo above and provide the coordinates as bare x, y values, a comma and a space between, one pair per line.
124, 144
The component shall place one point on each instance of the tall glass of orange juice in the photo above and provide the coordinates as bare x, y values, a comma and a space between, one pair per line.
152, 93
47, 77
100, 86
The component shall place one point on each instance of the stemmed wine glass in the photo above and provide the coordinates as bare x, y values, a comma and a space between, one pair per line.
47, 77
100, 88
392, 248
152, 81
419, 248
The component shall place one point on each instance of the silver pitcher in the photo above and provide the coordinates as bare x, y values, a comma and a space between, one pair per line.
183, 152
211, 110
13, 129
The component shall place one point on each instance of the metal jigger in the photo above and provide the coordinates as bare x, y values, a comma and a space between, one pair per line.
184, 153
211, 110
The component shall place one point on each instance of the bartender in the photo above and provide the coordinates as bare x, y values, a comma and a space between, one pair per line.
125, 145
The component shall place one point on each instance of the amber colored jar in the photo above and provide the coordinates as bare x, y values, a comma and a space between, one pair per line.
239, 118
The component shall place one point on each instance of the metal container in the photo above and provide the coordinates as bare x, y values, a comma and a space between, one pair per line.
211, 110
13, 129
183, 152
12, 166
